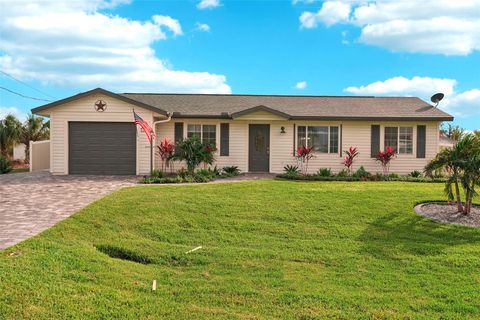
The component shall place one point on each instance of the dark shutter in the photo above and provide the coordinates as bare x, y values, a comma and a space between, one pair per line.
421, 141
178, 132
375, 141
340, 139
224, 139
294, 136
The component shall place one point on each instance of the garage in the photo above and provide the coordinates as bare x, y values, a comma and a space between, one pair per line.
102, 148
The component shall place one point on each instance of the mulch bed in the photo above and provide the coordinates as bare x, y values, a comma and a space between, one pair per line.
447, 213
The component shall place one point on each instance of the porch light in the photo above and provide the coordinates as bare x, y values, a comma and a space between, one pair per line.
282, 130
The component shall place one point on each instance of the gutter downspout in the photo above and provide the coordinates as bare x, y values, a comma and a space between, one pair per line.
169, 115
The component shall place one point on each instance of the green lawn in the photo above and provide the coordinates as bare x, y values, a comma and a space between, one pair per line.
271, 249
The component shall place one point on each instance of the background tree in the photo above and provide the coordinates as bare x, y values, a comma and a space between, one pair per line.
33, 129
10, 129
453, 132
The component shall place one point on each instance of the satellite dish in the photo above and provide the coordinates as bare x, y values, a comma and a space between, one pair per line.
436, 98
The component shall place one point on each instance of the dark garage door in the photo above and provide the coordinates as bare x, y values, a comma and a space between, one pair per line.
102, 148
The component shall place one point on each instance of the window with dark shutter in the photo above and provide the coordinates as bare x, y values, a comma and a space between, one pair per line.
421, 141
375, 141
224, 139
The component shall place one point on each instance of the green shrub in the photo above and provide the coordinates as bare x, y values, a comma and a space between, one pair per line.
342, 173
376, 177
192, 151
393, 176
361, 173
231, 171
207, 173
157, 174
291, 170
415, 174
5, 166
324, 172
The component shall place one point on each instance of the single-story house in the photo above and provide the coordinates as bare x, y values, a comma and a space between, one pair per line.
93, 132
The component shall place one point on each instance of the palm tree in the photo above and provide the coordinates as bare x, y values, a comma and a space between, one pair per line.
463, 163
33, 129
448, 159
453, 132
10, 128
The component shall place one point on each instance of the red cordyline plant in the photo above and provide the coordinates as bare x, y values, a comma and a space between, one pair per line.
350, 155
304, 154
166, 150
384, 157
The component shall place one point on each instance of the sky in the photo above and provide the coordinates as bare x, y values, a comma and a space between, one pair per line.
50, 50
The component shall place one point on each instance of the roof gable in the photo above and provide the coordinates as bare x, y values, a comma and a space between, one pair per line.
98, 91
260, 111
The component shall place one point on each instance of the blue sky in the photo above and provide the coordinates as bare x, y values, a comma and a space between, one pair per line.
256, 47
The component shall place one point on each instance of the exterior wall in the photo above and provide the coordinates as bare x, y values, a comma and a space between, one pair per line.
39, 155
83, 110
354, 133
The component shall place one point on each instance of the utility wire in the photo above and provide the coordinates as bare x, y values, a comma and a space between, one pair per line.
26, 84
23, 96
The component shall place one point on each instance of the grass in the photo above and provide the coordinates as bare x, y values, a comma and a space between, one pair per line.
270, 249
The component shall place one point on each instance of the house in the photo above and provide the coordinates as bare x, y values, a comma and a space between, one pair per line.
94, 133
445, 142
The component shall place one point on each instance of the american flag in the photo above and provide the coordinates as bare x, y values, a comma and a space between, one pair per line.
142, 123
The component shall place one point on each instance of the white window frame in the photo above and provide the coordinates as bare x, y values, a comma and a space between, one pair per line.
328, 137
201, 129
397, 149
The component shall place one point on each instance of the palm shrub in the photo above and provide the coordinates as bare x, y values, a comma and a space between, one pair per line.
462, 166
291, 170
5, 166
231, 171
415, 174
190, 150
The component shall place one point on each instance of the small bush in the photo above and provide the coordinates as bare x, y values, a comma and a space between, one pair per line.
205, 173
342, 173
231, 171
291, 170
324, 172
157, 174
361, 173
393, 176
415, 174
5, 166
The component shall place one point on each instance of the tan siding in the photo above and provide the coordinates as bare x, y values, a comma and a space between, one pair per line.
83, 110
355, 133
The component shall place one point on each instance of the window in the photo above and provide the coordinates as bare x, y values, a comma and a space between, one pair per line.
405, 142
400, 139
323, 139
391, 138
206, 133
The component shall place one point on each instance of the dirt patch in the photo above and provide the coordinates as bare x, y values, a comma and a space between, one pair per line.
447, 213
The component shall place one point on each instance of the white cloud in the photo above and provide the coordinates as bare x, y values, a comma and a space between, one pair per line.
461, 104
427, 26
202, 27
208, 4
4, 111
330, 13
169, 22
301, 85
73, 44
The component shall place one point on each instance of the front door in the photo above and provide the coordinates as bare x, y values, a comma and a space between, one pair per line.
259, 148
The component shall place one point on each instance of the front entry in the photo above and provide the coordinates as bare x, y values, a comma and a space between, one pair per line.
259, 148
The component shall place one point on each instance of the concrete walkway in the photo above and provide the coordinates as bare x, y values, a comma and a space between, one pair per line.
33, 202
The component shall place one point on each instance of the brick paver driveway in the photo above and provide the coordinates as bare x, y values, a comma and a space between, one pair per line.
33, 202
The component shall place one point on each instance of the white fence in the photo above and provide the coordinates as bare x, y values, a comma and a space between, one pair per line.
39, 155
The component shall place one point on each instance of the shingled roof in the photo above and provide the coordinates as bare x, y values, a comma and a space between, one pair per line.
294, 107
228, 106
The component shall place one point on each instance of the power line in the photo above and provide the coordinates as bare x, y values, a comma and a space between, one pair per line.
26, 84
23, 96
